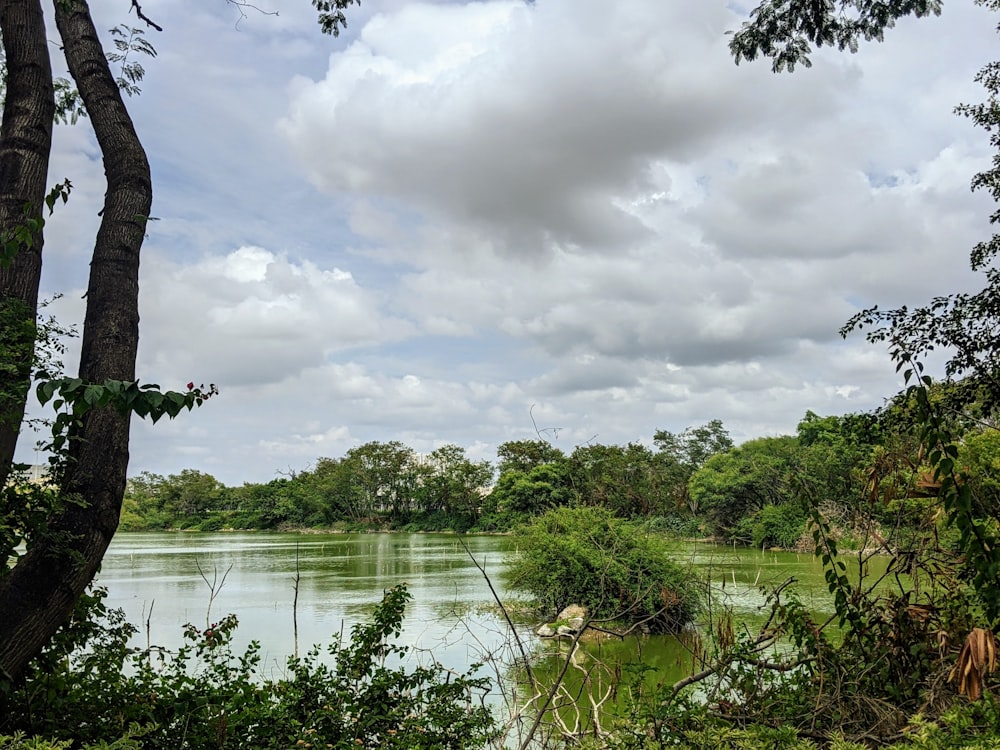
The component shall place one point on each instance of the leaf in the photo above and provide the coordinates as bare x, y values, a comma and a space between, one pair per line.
92, 395
45, 391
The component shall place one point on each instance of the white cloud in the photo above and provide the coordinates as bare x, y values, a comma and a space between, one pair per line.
252, 316
462, 212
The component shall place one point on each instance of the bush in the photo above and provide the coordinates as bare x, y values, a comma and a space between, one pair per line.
590, 557
778, 526
205, 697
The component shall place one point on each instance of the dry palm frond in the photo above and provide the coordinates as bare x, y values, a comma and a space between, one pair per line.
977, 659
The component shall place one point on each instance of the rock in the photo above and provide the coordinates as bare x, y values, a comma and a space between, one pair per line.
572, 617
572, 612
567, 624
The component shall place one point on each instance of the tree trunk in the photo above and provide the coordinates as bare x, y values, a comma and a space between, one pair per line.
25, 142
40, 592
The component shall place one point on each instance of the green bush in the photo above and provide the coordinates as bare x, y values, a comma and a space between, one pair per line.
778, 525
590, 557
205, 697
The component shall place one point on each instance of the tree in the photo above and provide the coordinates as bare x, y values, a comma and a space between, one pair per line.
25, 144
190, 494
384, 475
967, 326
525, 455
534, 491
833, 453
452, 483
682, 455
39, 592
623, 480
732, 487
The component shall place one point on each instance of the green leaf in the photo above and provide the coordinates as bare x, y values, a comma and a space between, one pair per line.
92, 395
45, 390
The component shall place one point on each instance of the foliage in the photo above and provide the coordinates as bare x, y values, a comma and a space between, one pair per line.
625, 480
204, 696
680, 456
73, 398
695, 445
519, 493
390, 486
979, 457
786, 30
130, 72
734, 485
69, 107
331, 14
450, 484
525, 455
587, 556
773, 526
965, 326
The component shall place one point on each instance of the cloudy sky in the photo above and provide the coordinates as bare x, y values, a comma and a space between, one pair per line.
461, 221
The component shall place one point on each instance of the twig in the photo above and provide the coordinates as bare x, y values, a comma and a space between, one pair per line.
506, 615
295, 603
143, 17
149, 617
214, 587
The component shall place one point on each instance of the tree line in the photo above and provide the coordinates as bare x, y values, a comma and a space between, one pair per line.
696, 483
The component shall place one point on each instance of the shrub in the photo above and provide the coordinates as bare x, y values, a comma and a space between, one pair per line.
778, 526
205, 697
590, 557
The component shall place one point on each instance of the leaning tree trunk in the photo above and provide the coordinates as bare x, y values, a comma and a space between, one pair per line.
40, 592
25, 142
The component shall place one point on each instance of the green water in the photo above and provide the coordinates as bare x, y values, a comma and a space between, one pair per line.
158, 578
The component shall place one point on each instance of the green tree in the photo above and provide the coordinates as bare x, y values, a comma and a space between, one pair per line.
787, 30
385, 476
39, 593
534, 491
190, 494
621, 479
835, 458
452, 483
327, 493
979, 457
731, 488
525, 455
680, 456
142, 506
966, 326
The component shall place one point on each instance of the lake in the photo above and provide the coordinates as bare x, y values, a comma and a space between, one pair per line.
160, 578
163, 581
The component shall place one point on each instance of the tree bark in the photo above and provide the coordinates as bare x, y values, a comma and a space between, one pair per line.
39, 594
25, 142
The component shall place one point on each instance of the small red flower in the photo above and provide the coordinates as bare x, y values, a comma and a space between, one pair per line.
191, 386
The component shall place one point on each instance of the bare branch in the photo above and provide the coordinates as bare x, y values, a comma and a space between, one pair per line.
143, 17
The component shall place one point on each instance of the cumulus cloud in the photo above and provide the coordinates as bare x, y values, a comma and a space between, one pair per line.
252, 316
463, 221
529, 121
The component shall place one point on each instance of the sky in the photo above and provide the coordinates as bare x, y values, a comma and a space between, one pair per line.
473, 222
